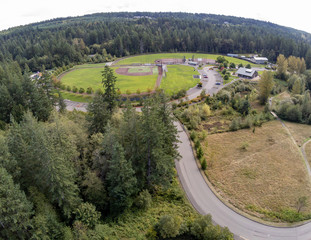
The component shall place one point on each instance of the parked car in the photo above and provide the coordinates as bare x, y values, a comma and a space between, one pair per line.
217, 83
205, 76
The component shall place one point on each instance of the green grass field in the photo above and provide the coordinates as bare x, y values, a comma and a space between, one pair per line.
76, 97
152, 57
179, 77
91, 77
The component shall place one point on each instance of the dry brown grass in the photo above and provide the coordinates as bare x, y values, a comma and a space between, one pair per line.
262, 169
308, 151
300, 132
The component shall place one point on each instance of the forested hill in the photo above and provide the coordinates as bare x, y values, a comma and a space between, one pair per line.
61, 41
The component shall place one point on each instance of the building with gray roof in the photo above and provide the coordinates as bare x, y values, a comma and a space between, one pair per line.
247, 73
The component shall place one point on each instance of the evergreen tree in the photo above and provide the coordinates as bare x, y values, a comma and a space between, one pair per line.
15, 209
109, 82
121, 180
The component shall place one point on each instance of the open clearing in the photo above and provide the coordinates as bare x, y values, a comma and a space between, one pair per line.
179, 77
262, 170
91, 77
151, 58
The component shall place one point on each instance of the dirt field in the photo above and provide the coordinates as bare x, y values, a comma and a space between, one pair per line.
263, 169
126, 72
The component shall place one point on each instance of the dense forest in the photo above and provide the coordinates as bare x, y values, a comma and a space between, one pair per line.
100, 37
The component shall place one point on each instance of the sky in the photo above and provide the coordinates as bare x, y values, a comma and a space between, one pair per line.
295, 14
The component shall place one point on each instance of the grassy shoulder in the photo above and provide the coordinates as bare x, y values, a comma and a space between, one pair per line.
179, 77
75, 97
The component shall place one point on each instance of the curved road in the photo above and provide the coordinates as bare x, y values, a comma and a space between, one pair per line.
205, 201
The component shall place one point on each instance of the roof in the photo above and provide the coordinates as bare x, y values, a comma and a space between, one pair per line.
261, 58
246, 72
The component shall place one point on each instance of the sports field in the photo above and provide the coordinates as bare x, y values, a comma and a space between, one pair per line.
141, 59
179, 77
91, 77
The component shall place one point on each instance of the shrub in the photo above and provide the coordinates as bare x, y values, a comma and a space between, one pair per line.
68, 88
87, 214
81, 90
62, 87
144, 200
89, 90
128, 92
197, 144
200, 152
138, 91
74, 89
226, 77
203, 163
193, 136
168, 226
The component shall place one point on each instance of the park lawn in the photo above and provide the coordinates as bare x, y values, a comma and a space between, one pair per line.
179, 77
263, 179
91, 77
141, 59
76, 97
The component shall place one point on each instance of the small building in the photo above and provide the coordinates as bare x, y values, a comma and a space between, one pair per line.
192, 63
260, 60
232, 55
246, 73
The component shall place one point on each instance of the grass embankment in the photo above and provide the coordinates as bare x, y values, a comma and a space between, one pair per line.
179, 77
84, 77
76, 97
141, 59
260, 172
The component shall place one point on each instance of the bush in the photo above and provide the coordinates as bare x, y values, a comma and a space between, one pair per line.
87, 214
89, 90
226, 77
193, 136
68, 88
81, 90
200, 152
62, 87
74, 89
203, 163
144, 200
128, 92
168, 226
138, 91
197, 144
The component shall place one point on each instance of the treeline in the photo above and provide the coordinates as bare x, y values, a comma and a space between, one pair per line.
63, 41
